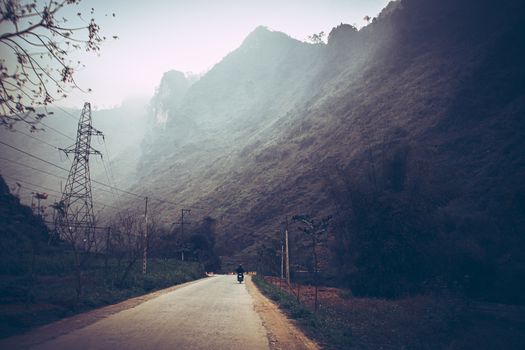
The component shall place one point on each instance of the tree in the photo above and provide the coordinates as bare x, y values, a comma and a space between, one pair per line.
128, 234
82, 241
36, 42
268, 260
316, 38
367, 19
315, 231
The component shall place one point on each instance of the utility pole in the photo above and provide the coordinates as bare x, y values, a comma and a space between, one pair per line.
182, 211
287, 248
282, 265
282, 260
75, 208
145, 254
106, 256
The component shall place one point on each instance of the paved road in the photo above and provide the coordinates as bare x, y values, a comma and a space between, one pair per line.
215, 313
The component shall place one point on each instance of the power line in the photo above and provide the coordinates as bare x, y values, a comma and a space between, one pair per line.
81, 226
33, 190
113, 193
58, 166
58, 132
32, 168
50, 190
33, 156
108, 171
66, 113
47, 173
98, 182
36, 138
32, 184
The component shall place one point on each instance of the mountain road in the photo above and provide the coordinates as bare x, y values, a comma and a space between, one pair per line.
212, 313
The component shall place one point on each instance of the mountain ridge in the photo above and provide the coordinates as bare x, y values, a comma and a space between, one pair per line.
406, 131
387, 113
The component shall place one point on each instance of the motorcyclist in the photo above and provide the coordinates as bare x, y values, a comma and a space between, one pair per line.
240, 274
240, 270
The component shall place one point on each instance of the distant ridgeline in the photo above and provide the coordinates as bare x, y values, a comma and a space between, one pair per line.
409, 132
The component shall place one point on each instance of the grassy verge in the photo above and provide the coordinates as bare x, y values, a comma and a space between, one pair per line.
326, 330
441, 320
53, 293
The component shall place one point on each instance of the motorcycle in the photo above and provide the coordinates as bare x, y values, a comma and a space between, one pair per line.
240, 277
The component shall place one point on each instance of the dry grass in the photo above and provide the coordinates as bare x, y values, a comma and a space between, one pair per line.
418, 322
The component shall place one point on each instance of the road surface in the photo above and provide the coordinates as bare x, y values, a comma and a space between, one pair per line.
213, 313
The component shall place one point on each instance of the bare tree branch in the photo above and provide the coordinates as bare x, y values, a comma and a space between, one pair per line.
37, 53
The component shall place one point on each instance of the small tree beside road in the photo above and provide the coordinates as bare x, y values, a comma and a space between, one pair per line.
315, 231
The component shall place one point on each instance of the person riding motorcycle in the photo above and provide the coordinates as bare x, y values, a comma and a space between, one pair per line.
239, 269
240, 274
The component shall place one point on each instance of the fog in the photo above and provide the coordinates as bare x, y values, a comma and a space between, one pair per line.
192, 36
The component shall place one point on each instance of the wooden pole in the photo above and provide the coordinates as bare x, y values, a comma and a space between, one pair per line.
106, 256
287, 247
316, 276
282, 267
145, 256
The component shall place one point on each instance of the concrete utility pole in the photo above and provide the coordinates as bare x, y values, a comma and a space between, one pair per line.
145, 254
182, 223
287, 248
282, 265
282, 260
106, 256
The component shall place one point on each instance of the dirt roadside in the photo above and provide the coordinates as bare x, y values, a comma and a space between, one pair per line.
282, 333
66, 325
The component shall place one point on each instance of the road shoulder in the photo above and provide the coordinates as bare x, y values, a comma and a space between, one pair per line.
282, 333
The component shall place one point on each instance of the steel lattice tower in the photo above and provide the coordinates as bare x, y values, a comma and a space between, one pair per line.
75, 219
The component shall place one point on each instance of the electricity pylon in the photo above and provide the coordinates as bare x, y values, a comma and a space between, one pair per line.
75, 216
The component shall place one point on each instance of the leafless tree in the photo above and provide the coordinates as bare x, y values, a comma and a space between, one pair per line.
82, 240
36, 41
129, 242
315, 230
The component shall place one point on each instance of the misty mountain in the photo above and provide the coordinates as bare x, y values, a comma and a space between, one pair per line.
408, 131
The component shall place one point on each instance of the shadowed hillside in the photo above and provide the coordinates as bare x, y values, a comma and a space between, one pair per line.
407, 131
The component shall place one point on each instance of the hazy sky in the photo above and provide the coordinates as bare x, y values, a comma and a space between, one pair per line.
191, 36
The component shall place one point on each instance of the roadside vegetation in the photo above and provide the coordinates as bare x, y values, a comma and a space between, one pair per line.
325, 329
39, 281
435, 320
51, 295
